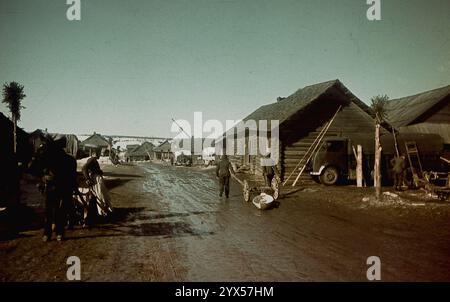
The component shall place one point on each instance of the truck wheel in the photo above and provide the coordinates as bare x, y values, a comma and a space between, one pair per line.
329, 176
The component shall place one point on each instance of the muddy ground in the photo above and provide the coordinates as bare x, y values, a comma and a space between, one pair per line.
170, 225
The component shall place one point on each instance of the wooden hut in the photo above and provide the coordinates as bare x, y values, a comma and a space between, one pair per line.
143, 152
427, 112
163, 151
302, 116
97, 142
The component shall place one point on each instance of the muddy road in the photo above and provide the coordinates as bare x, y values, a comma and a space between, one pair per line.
171, 225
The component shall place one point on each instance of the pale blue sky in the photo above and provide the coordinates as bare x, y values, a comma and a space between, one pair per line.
128, 67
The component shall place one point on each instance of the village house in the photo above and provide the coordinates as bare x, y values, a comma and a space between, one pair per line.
96, 142
302, 116
427, 112
143, 152
193, 148
163, 151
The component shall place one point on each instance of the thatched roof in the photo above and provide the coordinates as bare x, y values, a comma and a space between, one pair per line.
405, 111
283, 109
164, 147
96, 141
142, 150
130, 148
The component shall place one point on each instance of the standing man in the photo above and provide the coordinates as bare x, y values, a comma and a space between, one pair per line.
398, 167
269, 172
223, 172
91, 168
94, 179
59, 183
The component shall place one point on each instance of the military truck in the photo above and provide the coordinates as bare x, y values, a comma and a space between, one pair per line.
334, 162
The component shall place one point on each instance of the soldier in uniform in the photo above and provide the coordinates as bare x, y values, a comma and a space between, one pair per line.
59, 183
398, 167
269, 172
223, 172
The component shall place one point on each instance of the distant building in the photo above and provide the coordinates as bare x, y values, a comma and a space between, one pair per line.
163, 151
426, 112
142, 152
96, 142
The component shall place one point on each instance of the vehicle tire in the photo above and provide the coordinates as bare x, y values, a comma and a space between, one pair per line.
329, 176
316, 178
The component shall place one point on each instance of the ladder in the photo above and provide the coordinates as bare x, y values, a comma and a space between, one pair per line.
414, 160
302, 164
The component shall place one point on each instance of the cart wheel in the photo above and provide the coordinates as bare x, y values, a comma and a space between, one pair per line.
276, 188
246, 191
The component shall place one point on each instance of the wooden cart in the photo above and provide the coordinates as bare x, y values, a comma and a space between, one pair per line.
252, 188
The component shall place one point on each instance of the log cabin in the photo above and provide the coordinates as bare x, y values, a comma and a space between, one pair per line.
427, 112
301, 117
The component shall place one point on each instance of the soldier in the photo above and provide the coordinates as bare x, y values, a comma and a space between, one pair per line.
398, 167
59, 183
269, 172
223, 172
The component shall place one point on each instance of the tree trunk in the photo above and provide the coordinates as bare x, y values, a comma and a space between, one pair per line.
377, 167
14, 133
359, 170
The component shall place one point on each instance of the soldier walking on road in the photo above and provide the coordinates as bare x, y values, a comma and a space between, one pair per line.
223, 172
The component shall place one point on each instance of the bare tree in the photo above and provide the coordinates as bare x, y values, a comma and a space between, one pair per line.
379, 108
12, 96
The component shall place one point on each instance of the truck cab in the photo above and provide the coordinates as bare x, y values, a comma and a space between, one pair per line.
330, 163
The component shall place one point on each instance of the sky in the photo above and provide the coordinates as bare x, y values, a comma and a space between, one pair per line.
129, 67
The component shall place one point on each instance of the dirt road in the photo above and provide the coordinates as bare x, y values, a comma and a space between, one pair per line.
170, 225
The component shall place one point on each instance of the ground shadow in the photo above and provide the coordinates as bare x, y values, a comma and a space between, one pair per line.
122, 222
116, 182
151, 229
112, 174
16, 219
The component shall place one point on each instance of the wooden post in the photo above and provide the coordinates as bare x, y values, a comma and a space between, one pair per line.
377, 168
395, 143
359, 170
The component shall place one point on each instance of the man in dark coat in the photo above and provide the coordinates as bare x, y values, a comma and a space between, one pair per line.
59, 183
398, 167
223, 172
